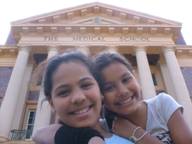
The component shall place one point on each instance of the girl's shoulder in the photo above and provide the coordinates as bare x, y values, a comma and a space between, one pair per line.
46, 135
162, 99
162, 106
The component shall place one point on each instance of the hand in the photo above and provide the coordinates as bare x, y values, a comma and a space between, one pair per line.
96, 140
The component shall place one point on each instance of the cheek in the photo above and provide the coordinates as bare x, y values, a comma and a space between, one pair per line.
97, 100
133, 85
94, 94
110, 95
59, 105
108, 101
109, 105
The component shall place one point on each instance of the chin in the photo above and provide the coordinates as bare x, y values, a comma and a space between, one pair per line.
87, 124
126, 112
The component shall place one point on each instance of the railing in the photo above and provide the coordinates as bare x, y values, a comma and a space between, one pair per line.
20, 134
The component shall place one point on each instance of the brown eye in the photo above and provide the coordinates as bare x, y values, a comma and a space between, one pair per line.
63, 93
108, 87
87, 85
126, 79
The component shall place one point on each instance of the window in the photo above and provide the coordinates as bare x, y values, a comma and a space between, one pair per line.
5, 74
29, 122
154, 79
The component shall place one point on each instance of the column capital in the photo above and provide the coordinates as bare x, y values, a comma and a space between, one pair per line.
166, 49
80, 47
25, 48
113, 48
83, 48
52, 48
140, 48
52, 51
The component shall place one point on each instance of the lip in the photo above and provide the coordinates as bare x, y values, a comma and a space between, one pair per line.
82, 111
125, 101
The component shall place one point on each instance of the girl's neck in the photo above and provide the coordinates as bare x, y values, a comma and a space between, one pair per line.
139, 117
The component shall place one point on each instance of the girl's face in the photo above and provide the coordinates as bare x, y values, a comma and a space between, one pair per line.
75, 95
121, 90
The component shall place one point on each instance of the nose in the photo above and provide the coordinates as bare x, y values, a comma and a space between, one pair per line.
122, 90
78, 97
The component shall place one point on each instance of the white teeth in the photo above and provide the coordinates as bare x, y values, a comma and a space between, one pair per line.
82, 111
126, 101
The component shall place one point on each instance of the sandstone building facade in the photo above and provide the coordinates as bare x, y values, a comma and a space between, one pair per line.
155, 47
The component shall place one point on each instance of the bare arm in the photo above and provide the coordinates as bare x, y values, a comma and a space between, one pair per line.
46, 135
125, 128
180, 132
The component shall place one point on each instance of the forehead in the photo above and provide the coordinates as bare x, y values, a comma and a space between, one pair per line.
69, 64
70, 70
115, 69
115, 66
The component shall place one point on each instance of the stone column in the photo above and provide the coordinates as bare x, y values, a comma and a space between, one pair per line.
146, 81
9, 103
167, 80
23, 95
181, 91
43, 112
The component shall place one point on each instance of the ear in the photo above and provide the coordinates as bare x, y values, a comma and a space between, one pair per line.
51, 103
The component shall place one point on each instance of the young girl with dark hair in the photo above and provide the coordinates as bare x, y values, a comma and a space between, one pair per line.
154, 121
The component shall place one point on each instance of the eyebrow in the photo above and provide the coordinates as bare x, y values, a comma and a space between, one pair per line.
62, 86
81, 80
126, 74
86, 78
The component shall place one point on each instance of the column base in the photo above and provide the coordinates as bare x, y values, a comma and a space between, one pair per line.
3, 139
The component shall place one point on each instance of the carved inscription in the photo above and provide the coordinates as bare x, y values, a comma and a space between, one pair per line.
50, 38
133, 38
98, 38
88, 37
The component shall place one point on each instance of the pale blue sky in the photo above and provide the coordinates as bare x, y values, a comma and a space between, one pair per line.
177, 10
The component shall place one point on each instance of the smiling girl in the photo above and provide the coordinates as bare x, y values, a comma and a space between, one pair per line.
153, 121
73, 93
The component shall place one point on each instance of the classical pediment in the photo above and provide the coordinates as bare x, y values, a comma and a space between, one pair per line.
97, 20
95, 14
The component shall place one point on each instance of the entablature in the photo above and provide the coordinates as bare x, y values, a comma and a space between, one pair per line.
183, 50
8, 50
